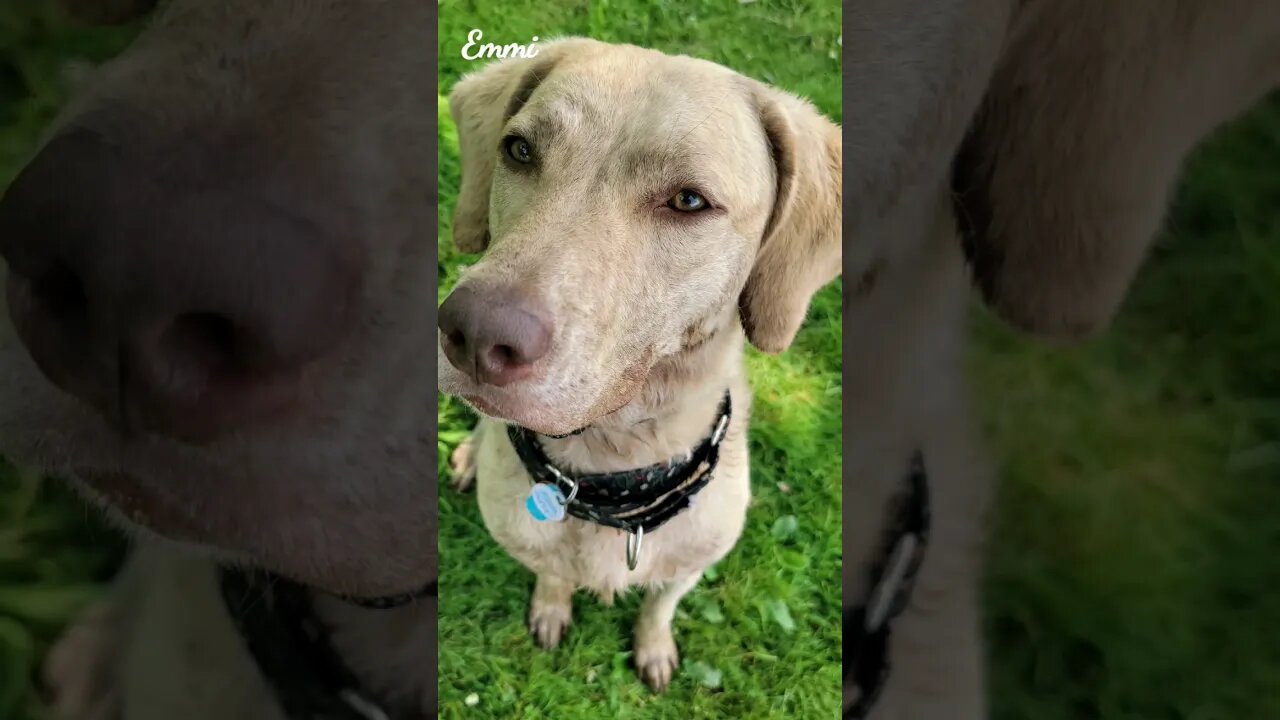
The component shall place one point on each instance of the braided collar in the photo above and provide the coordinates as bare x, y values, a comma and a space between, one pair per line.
291, 646
639, 500
867, 626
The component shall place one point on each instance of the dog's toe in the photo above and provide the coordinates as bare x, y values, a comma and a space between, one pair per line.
462, 464
656, 659
548, 624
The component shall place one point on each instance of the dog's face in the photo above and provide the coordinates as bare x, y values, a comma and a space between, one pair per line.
213, 269
623, 196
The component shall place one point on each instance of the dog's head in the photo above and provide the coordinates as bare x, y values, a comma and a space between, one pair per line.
219, 281
630, 204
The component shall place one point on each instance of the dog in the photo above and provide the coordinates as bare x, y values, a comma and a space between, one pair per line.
1024, 147
213, 265
641, 215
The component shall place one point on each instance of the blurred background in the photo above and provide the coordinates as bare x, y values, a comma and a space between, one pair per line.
55, 554
1133, 570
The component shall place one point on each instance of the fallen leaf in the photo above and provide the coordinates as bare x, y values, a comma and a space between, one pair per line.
706, 675
781, 614
785, 526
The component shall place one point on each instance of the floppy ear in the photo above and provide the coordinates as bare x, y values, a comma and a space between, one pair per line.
106, 12
1064, 178
481, 104
800, 249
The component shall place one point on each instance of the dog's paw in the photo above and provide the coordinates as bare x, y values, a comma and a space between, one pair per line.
463, 466
656, 657
77, 674
548, 622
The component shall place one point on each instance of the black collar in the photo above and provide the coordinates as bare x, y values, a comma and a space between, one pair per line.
291, 647
639, 500
866, 627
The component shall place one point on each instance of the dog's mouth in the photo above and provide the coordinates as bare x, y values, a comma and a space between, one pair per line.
140, 503
132, 500
517, 413
558, 416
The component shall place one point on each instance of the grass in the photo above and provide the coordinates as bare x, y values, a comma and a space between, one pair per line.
760, 637
1132, 563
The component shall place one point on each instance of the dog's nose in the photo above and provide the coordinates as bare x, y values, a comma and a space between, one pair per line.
180, 304
495, 336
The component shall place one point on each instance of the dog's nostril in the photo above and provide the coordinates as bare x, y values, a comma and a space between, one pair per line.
60, 292
456, 338
503, 355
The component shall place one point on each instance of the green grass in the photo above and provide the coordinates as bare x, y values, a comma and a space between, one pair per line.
1133, 563
1133, 570
761, 637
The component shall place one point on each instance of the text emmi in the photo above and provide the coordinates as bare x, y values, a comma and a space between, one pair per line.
489, 50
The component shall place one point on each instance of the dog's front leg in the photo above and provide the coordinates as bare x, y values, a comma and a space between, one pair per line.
79, 672
550, 610
655, 647
462, 463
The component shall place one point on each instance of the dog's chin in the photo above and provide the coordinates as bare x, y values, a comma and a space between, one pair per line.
534, 418
517, 407
545, 411
155, 491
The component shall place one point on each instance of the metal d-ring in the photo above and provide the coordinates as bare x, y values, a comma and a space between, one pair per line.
573, 486
634, 541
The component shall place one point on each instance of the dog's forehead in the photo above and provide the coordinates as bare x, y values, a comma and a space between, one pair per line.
641, 98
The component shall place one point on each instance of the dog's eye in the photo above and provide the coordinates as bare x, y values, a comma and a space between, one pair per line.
519, 149
687, 201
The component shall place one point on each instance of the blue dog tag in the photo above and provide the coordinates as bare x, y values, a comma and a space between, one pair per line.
545, 503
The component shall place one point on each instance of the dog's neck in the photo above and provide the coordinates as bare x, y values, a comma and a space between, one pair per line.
673, 411
904, 368
391, 651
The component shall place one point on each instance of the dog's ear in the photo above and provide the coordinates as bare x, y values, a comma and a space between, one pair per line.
800, 247
106, 12
1064, 179
481, 104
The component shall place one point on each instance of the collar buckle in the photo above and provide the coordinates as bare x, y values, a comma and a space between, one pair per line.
721, 427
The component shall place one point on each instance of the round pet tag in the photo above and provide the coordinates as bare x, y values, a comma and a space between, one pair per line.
545, 503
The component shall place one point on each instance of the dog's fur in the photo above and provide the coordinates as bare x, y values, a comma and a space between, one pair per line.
645, 301
1064, 123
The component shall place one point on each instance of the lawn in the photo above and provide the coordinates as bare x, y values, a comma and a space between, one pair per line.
1134, 570
1132, 564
